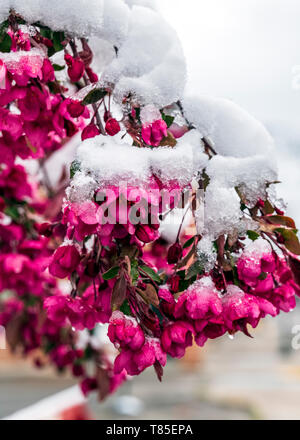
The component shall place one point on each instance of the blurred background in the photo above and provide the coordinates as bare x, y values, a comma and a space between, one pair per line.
247, 51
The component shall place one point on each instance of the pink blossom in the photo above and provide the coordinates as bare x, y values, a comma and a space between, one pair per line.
167, 303
264, 285
249, 270
125, 332
239, 309
176, 337
200, 302
147, 233
283, 298
76, 67
2, 75
88, 384
31, 105
64, 261
63, 355
212, 329
256, 260
56, 307
153, 133
14, 182
101, 303
48, 71
81, 314
75, 108
11, 123
82, 219
93, 77
13, 307
20, 40
268, 263
178, 131
135, 362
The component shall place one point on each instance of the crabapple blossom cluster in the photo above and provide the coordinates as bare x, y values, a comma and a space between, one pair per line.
208, 285
36, 119
146, 154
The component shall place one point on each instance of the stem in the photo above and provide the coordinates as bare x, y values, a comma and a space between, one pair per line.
209, 150
182, 221
87, 82
207, 144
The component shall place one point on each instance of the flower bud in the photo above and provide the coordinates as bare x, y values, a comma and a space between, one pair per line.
48, 71
174, 283
174, 253
93, 77
75, 108
76, 68
45, 229
112, 127
90, 131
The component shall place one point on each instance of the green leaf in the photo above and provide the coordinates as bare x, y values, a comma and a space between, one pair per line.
58, 37
262, 276
151, 273
5, 43
149, 295
45, 31
137, 112
111, 273
94, 96
57, 67
253, 235
3, 28
188, 243
49, 346
281, 220
181, 274
12, 211
75, 166
295, 267
134, 273
125, 308
168, 119
31, 301
185, 284
291, 240
205, 180
268, 208
169, 141
194, 270
54, 87
235, 276
119, 293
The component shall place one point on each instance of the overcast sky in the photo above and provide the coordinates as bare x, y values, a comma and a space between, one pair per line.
246, 50
241, 49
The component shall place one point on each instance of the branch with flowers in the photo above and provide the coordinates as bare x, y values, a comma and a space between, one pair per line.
142, 159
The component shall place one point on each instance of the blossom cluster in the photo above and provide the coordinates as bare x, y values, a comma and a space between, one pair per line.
36, 119
157, 296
